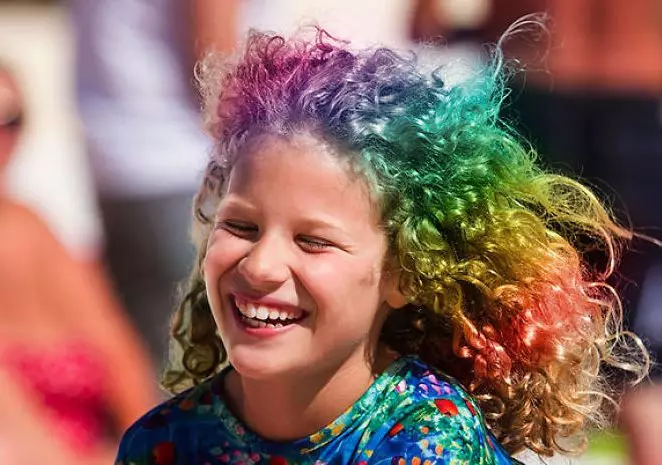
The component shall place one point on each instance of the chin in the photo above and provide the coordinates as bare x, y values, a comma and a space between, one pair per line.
254, 364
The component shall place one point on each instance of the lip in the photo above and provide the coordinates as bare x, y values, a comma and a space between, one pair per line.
262, 332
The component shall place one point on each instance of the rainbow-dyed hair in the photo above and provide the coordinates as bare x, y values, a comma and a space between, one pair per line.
490, 246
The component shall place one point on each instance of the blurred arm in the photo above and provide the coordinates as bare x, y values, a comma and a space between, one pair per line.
213, 26
426, 22
630, 46
641, 418
571, 58
133, 383
82, 293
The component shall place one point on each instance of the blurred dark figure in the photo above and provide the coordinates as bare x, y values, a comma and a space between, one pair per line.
72, 373
591, 102
134, 74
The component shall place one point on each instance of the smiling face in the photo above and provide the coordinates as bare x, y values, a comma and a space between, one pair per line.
294, 266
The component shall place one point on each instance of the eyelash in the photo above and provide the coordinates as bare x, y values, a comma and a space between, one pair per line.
245, 231
316, 244
238, 229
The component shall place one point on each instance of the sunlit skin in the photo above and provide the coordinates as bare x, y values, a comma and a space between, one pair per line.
296, 230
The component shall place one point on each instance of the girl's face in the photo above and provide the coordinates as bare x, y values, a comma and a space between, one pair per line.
294, 266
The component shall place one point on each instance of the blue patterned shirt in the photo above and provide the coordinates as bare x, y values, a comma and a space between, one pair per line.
411, 414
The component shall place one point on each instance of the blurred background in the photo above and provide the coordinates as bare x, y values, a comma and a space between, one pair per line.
106, 150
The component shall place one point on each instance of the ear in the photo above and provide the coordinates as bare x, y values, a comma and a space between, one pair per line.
394, 295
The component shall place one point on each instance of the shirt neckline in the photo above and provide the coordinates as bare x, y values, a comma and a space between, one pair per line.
333, 430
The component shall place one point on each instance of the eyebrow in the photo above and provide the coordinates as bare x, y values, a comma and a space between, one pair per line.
236, 202
322, 223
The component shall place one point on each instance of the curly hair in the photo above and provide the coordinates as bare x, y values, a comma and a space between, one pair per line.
491, 247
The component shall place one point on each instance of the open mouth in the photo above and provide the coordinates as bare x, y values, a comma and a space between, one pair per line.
254, 315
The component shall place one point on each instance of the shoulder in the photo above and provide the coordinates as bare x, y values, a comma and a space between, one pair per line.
19, 211
28, 234
22, 218
437, 420
23, 236
164, 433
426, 388
446, 397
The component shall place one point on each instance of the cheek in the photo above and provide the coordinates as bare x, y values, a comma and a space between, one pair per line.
370, 276
210, 276
221, 256
218, 263
339, 284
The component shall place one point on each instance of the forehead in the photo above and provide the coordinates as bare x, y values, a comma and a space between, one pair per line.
303, 168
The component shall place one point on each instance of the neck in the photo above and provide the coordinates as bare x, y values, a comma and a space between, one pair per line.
295, 406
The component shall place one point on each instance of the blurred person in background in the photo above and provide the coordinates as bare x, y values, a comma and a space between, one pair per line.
146, 147
73, 375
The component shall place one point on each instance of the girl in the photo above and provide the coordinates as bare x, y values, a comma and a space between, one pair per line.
387, 272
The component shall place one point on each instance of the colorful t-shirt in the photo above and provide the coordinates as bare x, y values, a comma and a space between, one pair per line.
410, 415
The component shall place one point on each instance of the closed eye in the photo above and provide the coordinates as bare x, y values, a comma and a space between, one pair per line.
314, 244
237, 228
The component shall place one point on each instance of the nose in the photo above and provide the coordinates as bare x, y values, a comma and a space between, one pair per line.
266, 265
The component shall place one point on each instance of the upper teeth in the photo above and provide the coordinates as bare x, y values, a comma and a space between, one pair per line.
263, 312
